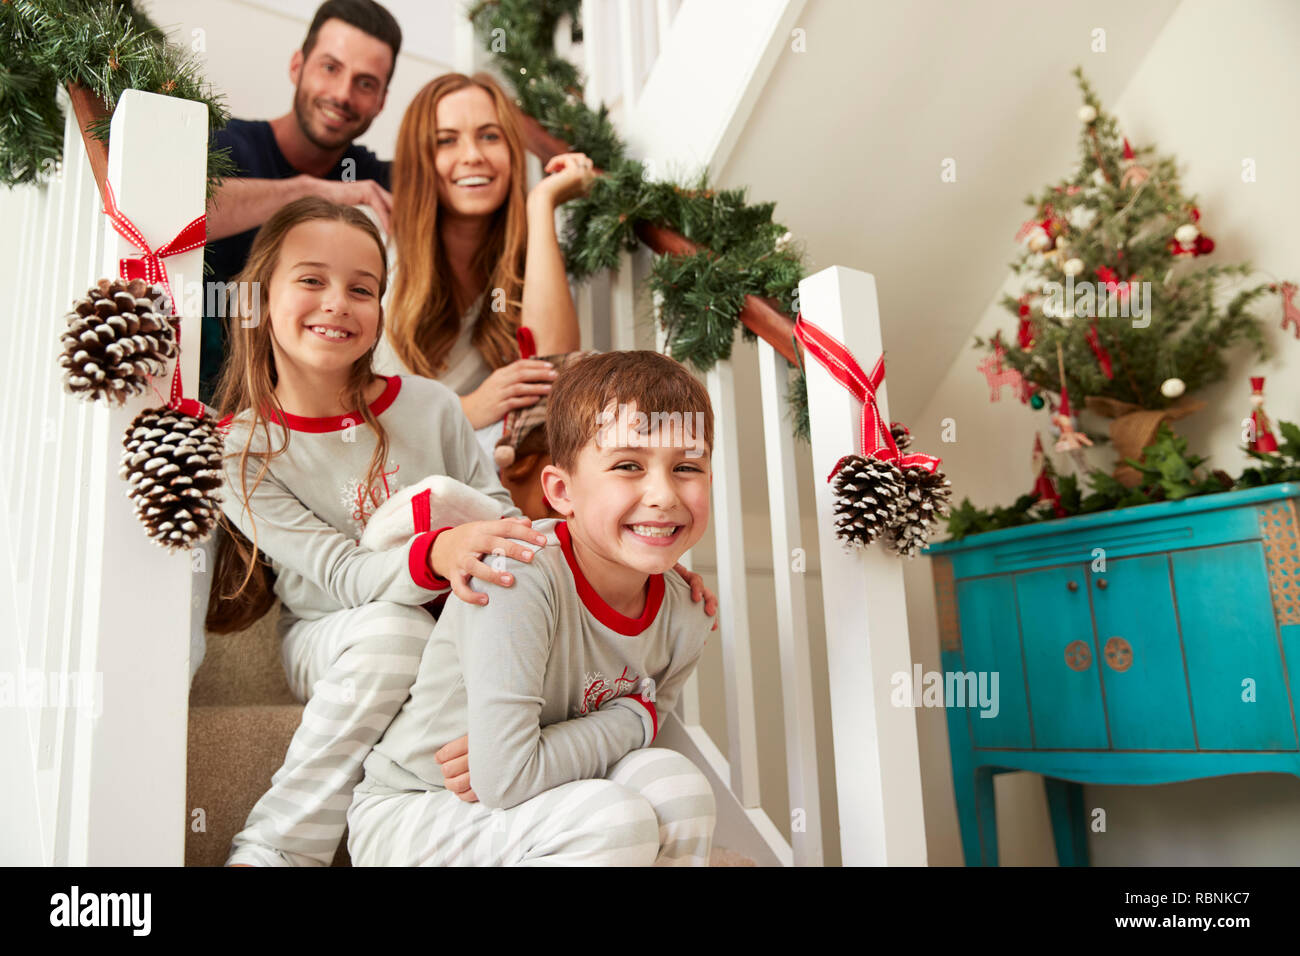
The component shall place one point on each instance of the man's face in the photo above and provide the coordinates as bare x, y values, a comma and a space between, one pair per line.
341, 86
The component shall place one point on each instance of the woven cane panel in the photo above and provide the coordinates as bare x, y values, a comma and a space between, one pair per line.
1280, 531
945, 599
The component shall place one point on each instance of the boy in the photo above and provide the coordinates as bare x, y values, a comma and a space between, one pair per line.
560, 680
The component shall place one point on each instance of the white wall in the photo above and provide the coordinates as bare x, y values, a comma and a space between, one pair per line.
1218, 84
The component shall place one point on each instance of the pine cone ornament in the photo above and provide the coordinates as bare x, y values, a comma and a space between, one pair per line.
116, 340
868, 495
925, 501
173, 464
902, 437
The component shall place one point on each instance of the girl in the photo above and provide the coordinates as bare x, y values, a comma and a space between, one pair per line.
316, 443
477, 255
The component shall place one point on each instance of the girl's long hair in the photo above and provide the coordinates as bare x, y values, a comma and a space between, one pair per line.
424, 319
242, 579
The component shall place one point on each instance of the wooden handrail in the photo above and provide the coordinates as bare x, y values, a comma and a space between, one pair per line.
89, 108
761, 316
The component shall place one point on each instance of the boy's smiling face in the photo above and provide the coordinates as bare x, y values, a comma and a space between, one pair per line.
637, 498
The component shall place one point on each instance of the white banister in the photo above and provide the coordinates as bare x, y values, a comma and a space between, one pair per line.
877, 764
629, 49
733, 597
791, 612
623, 302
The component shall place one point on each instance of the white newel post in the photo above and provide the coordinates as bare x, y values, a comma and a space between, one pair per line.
129, 802
877, 764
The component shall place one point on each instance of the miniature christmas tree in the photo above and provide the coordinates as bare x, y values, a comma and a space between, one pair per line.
1113, 275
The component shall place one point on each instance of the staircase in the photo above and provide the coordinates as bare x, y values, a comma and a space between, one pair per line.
94, 597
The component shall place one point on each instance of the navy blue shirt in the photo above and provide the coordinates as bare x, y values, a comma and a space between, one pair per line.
257, 156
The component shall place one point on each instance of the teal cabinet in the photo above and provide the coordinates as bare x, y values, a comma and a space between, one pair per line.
1141, 646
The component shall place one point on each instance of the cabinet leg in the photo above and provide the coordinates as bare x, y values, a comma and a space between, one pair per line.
1069, 821
977, 817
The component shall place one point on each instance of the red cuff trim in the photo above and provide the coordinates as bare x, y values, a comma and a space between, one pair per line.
654, 714
418, 562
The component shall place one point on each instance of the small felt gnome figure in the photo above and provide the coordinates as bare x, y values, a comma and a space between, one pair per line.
1262, 430
1044, 485
1070, 439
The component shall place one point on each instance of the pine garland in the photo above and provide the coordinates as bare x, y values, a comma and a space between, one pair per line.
743, 251
1169, 473
106, 45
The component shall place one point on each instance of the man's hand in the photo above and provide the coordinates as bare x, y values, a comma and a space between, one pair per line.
362, 192
454, 758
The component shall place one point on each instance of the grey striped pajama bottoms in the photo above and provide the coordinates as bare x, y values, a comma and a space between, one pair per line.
653, 808
354, 668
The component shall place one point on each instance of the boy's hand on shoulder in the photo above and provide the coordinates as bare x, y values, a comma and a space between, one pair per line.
454, 759
698, 590
457, 554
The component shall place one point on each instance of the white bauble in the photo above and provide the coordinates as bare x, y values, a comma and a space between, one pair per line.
1099, 177
1072, 267
1087, 113
1172, 387
1039, 240
1186, 233
1081, 217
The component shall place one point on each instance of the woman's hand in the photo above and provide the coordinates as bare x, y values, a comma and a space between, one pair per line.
698, 590
517, 385
569, 175
454, 758
456, 553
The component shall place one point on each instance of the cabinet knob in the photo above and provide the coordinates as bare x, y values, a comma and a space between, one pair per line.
1103, 584
1072, 585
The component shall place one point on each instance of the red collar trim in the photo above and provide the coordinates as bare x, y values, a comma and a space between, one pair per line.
337, 423
631, 626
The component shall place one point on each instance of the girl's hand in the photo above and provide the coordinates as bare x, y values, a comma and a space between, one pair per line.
698, 590
517, 385
456, 554
569, 175
454, 758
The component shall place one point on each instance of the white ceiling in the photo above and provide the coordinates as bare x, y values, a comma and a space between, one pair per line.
848, 139
424, 23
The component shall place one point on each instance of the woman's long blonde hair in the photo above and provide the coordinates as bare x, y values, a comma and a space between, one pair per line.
242, 579
424, 322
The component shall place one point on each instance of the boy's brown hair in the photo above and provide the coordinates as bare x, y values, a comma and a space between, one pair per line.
654, 383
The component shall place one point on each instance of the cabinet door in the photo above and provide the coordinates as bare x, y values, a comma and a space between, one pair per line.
1234, 665
990, 644
1061, 659
1141, 657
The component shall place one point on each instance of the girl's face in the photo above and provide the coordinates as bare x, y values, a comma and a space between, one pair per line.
324, 297
472, 158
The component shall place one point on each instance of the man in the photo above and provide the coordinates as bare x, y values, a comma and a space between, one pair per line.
340, 79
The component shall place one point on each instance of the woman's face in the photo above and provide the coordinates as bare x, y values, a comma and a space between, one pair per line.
472, 157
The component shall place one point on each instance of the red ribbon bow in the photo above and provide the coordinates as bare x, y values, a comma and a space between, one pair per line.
151, 269
876, 441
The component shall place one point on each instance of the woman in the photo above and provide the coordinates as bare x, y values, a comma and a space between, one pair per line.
477, 255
